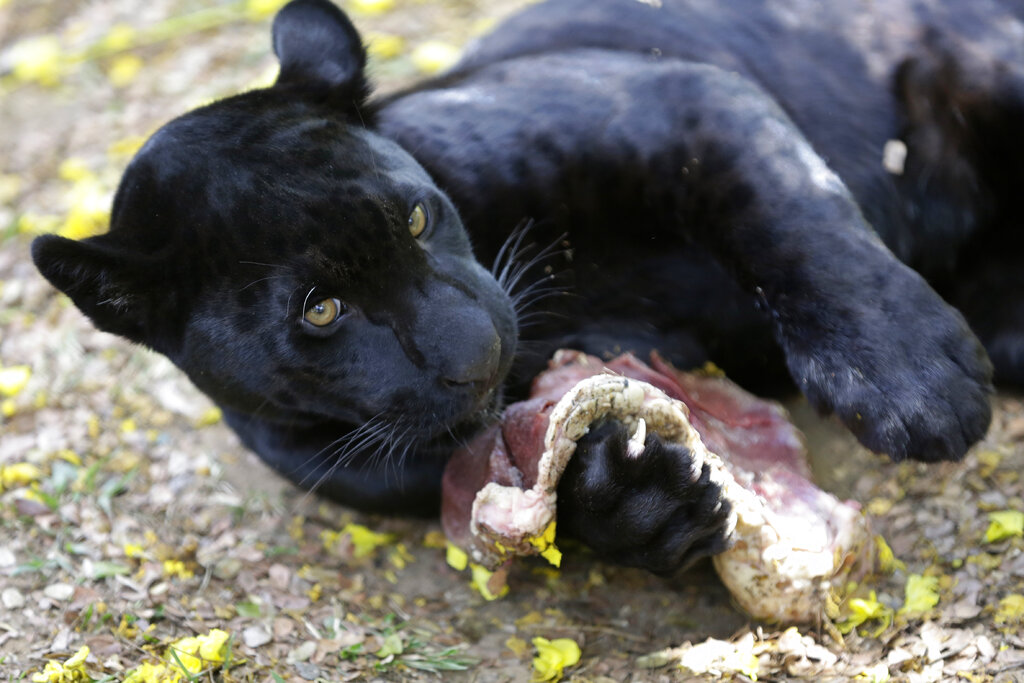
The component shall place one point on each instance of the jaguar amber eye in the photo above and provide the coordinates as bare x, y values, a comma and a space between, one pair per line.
323, 312
417, 220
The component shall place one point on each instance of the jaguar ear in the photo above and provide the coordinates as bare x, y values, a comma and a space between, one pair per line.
321, 51
106, 281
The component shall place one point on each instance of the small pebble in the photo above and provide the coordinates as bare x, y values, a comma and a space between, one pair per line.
283, 627
12, 598
227, 568
59, 591
280, 576
307, 671
302, 652
255, 636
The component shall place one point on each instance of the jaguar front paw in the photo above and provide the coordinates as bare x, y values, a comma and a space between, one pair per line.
641, 504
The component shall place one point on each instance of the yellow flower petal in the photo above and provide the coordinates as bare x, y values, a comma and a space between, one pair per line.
70, 456
124, 69
14, 379
887, 562
71, 671
261, 9
860, 610
365, 541
1003, 525
384, 45
197, 653
133, 550
37, 60
922, 593
433, 56
553, 656
90, 209
74, 169
10, 186
456, 557
19, 474
210, 417
177, 568
518, 646
481, 581
119, 37
153, 673
1011, 610
30, 223
125, 147
370, 7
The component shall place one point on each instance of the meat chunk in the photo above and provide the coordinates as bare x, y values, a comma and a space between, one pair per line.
790, 541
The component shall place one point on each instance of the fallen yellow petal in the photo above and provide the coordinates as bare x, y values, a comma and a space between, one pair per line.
71, 671
37, 224
119, 37
922, 593
210, 417
124, 69
177, 568
125, 147
37, 60
518, 646
1003, 525
14, 379
860, 610
196, 653
989, 461
456, 557
545, 544
153, 673
19, 474
90, 209
70, 456
10, 187
1011, 610
553, 656
370, 7
74, 169
365, 541
887, 561
433, 56
260, 9
384, 45
481, 581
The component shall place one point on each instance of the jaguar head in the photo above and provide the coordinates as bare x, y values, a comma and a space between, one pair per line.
298, 266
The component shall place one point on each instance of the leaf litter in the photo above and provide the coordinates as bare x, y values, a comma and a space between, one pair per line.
143, 543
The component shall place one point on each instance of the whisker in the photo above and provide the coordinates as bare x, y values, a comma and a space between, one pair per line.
340, 442
263, 279
509, 251
288, 304
306, 300
268, 265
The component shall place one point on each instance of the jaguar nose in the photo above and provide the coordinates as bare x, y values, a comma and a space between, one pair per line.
476, 361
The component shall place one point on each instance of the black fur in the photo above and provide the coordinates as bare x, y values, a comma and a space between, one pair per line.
709, 176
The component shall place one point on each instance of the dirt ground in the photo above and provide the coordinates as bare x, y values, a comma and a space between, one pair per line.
130, 516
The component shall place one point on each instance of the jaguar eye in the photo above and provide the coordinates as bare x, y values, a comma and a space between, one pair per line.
324, 312
417, 220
